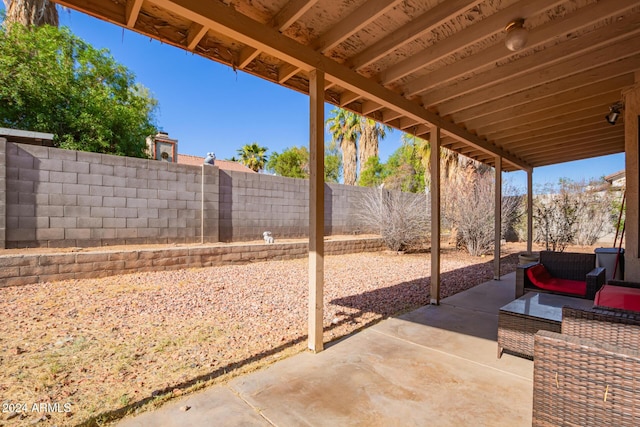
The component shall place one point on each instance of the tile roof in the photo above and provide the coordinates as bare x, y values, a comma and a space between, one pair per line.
187, 159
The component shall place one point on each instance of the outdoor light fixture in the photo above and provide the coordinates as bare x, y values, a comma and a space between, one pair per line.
516, 35
614, 113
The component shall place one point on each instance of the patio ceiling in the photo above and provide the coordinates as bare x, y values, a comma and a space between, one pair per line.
415, 64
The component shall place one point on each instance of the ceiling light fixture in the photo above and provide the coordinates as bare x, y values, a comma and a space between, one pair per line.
516, 35
614, 113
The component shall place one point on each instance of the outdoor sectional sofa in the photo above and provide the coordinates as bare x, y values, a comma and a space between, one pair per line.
564, 273
590, 373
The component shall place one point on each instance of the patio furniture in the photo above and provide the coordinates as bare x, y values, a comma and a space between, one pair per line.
590, 373
519, 320
562, 273
618, 294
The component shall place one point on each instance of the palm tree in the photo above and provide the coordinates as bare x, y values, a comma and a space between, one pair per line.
371, 133
449, 160
31, 12
345, 128
253, 156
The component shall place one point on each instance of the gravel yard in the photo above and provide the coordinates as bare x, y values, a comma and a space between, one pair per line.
95, 349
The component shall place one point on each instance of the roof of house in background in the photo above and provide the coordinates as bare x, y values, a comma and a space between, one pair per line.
226, 165
616, 177
27, 136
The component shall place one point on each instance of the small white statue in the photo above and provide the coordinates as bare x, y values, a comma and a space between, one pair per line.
210, 159
268, 238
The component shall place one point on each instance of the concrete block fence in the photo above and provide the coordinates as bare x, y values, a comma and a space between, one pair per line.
62, 198
65, 198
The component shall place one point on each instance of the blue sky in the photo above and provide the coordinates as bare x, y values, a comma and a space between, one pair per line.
209, 107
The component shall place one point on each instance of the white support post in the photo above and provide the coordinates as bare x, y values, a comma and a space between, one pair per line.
435, 215
529, 210
316, 209
498, 219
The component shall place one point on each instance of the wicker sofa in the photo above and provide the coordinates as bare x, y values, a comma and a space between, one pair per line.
590, 373
562, 267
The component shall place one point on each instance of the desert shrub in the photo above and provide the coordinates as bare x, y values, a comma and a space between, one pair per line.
573, 212
468, 205
402, 219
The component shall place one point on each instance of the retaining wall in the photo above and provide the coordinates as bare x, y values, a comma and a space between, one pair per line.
26, 269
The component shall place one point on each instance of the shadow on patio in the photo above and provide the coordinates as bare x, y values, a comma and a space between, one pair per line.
431, 366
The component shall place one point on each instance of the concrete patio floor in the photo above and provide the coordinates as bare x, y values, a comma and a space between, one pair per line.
434, 366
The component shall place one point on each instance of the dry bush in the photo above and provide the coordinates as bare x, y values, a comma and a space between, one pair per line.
572, 213
401, 219
468, 201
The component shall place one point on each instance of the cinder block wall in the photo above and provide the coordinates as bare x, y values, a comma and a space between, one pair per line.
62, 198
65, 198
251, 204
3, 192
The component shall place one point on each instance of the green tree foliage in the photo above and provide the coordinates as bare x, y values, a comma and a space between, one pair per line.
332, 163
52, 81
373, 173
404, 170
293, 162
358, 137
253, 156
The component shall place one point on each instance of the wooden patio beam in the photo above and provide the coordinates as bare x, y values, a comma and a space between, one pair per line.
474, 33
529, 210
316, 210
361, 17
497, 218
358, 19
597, 130
195, 34
132, 12
458, 96
510, 107
537, 36
285, 18
542, 119
435, 216
227, 21
426, 22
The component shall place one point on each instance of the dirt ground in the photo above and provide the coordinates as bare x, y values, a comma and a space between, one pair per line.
89, 351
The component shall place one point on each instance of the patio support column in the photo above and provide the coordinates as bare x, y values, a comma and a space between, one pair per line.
631, 123
529, 210
316, 209
435, 215
498, 219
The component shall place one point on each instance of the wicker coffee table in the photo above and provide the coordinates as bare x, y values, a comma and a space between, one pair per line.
519, 320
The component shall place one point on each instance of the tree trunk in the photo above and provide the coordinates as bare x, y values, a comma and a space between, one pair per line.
350, 160
368, 144
31, 12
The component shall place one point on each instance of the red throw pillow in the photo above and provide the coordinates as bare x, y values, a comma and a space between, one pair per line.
539, 275
541, 278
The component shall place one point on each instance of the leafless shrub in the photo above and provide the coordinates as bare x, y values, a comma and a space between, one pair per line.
572, 212
402, 219
468, 205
